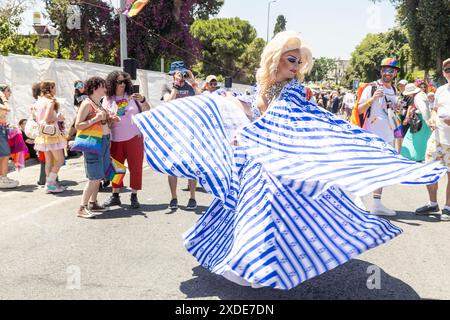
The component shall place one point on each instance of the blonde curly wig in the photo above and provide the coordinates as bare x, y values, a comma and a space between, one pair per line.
283, 42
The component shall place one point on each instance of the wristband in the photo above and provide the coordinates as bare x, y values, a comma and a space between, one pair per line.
143, 100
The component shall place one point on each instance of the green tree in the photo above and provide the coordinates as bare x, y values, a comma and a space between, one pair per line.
322, 66
367, 56
428, 26
10, 20
280, 25
249, 61
97, 39
224, 42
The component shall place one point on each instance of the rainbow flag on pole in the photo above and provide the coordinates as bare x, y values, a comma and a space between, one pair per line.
134, 7
116, 172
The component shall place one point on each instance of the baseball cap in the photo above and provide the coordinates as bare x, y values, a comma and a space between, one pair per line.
404, 82
210, 78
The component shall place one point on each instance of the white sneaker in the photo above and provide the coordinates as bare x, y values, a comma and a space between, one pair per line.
7, 183
445, 217
53, 187
359, 203
381, 210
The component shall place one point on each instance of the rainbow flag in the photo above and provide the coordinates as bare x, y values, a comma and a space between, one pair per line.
134, 7
116, 172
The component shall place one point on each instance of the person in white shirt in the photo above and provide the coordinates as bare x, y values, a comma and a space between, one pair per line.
378, 100
438, 148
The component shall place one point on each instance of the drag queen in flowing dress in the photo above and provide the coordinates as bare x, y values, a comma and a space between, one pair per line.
279, 215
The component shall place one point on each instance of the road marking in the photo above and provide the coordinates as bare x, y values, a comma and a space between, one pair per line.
36, 210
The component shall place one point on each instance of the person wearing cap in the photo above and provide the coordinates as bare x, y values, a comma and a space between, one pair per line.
438, 148
210, 84
184, 85
376, 99
415, 141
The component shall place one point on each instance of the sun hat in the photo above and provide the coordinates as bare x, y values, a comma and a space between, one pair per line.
411, 89
177, 66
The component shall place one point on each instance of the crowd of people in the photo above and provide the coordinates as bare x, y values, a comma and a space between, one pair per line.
267, 177
409, 116
104, 104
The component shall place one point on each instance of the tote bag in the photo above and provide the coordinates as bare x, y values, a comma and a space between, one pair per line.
89, 139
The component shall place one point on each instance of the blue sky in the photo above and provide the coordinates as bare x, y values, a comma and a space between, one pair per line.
331, 28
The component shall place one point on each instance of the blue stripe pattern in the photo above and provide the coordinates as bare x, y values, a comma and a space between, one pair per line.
279, 216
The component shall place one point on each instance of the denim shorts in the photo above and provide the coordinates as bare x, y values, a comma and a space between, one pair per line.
5, 151
97, 164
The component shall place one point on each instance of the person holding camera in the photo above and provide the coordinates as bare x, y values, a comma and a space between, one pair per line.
184, 85
376, 100
126, 140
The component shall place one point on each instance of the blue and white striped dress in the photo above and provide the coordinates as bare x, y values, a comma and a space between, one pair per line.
279, 215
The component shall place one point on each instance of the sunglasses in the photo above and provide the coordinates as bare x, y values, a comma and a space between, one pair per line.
213, 83
292, 59
447, 70
388, 70
121, 81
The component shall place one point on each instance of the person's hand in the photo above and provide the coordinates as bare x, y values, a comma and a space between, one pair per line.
138, 97
378, 93
113, 118
432, 124
190, 77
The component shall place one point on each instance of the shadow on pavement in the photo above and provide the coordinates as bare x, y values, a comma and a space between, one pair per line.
347, 282
404, 216
23, 188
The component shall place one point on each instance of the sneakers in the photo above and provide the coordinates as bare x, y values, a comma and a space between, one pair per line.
173, 204
95, 207
427, 210
54, 187
445, 216
381, 210
134, 201
112, 201
192, 204
7, 183
85, 213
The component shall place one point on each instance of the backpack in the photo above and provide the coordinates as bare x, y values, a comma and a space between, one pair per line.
358, 119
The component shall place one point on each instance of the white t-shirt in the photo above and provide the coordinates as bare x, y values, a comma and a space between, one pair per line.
442, 103
378, 121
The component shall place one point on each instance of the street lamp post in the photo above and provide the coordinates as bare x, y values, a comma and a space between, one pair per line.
123, 34
268, 17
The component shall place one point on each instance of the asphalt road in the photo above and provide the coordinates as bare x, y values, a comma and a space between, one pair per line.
46, 252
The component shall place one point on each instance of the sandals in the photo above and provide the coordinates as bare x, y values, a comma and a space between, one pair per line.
85, 213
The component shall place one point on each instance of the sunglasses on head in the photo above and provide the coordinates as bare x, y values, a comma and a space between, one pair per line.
447, 70
292, 59
388, 70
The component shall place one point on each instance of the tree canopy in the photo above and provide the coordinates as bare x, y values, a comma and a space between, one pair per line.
161, 29
427, 23
229, 47
366, 58
280, 25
